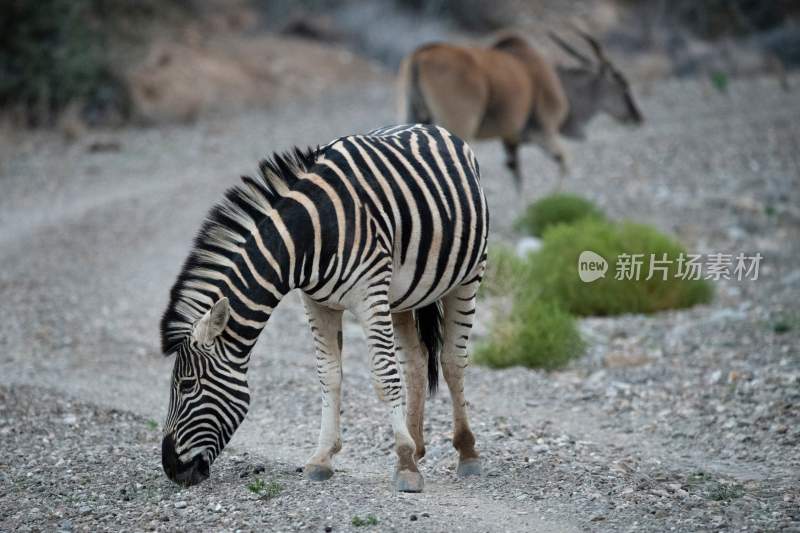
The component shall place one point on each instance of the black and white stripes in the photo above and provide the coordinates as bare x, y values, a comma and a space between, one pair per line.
382, 224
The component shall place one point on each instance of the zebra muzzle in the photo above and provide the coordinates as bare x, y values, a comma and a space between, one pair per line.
191, 472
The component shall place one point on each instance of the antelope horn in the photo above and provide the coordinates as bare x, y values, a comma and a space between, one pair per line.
595, 44
569, 49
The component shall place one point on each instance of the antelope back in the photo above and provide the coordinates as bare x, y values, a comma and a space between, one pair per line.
549, 104
445, 85
473, 92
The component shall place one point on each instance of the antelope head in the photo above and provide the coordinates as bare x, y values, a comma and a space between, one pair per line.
604, 87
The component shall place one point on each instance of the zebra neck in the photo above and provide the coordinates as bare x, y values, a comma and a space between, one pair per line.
255, 283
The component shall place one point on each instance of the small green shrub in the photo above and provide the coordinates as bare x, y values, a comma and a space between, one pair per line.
554, 269
537, 334
265, 490
786, 323
719, 80
370, 520
721, 492
556, 209
504, 271
256, 486
273, 489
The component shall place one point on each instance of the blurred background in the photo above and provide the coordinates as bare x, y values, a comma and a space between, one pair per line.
109, 62
618, 405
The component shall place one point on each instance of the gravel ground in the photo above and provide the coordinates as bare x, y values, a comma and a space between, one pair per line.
684, 420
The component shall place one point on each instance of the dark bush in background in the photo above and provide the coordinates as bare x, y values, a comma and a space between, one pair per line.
717, 18
50, 55
54, 53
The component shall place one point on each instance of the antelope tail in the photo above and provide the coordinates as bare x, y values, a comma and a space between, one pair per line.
411, 106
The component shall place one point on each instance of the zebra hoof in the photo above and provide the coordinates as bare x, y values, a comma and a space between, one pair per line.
469, 468
408, 481
318, 472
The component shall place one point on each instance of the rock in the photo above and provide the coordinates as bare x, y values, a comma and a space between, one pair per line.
528, 245
712, 378
180, 504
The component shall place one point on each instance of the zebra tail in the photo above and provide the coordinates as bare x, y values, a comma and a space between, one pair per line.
429, 320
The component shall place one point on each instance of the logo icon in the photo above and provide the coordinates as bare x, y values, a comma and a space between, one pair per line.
591, 266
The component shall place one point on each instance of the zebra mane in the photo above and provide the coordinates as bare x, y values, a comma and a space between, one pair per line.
224, 232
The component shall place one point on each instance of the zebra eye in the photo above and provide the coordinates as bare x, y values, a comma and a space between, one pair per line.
186, 386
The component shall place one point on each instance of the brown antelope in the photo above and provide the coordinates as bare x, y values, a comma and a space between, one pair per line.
510, 91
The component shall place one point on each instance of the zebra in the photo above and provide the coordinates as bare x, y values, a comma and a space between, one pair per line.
391, 226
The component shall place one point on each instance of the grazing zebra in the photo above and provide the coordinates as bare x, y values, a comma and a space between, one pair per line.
391, 226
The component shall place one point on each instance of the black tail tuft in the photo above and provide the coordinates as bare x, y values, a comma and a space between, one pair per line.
429, 328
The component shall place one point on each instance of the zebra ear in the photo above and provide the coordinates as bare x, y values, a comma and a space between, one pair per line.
213, 322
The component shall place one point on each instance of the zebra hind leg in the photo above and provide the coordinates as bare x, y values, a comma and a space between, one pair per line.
376, 319
414, 361
326, 328
459, 311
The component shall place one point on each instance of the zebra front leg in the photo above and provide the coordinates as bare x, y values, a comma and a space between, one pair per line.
326, 328
377, 322
459, 311
415, 371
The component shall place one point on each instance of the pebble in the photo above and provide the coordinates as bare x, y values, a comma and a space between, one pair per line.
180, 504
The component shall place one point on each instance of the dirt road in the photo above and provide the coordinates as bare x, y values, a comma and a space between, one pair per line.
685, 420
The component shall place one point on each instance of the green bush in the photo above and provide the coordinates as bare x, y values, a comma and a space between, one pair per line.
556, 209
537, 334
554, 270
504, 271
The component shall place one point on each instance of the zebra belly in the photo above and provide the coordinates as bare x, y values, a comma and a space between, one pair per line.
424, 292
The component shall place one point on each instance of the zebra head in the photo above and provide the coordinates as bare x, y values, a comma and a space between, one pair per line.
208, 400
